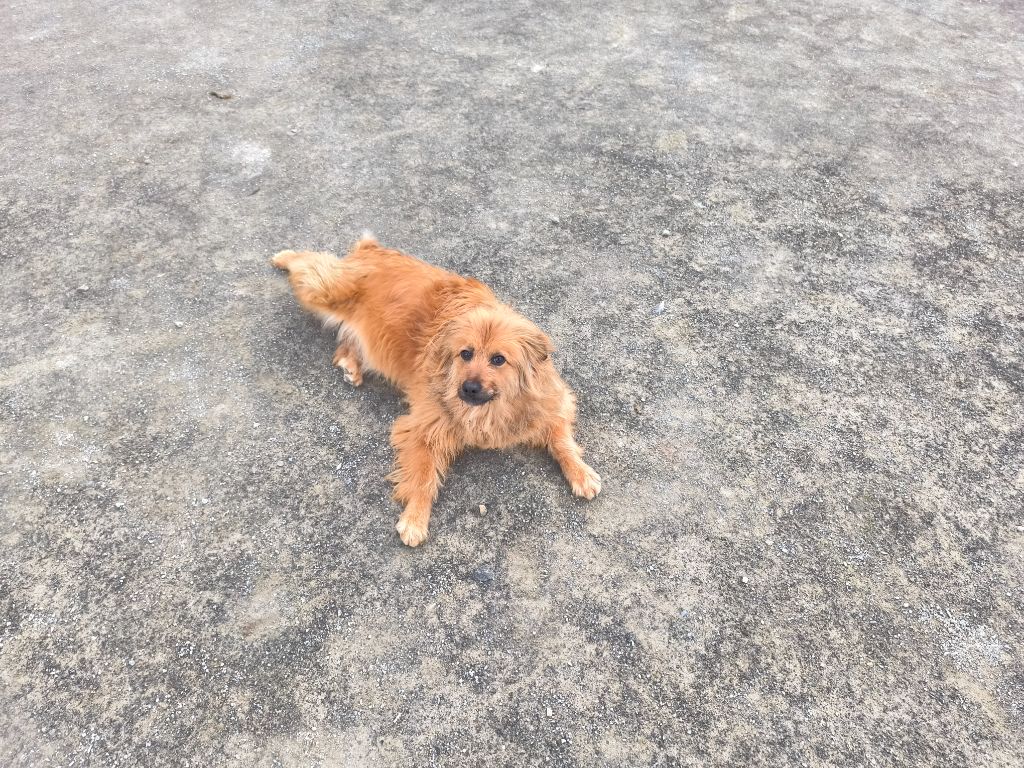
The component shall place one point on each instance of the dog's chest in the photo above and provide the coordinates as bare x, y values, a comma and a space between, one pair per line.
489, 432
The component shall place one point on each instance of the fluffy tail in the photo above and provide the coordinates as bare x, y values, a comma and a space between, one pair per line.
319, 281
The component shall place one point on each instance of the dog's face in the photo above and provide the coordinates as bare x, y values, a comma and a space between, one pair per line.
487, 359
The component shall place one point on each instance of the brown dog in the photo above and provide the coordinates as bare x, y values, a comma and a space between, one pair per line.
475, 373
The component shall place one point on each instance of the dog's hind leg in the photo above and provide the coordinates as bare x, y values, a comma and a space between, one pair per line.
348, 358
321, 282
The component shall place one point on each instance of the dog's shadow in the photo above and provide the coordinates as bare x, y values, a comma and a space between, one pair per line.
521, 490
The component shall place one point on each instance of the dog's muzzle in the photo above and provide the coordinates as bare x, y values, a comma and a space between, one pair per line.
472, 393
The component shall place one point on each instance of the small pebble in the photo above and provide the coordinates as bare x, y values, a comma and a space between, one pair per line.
550, 713
744, 579
665, 233
178, 324
483, 509
205, 501
82, 288
280, 463
482, 575
554, 219
660, 309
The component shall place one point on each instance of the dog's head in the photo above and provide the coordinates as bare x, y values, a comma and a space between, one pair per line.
487, 358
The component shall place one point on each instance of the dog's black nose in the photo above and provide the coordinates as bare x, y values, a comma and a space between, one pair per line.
472, 393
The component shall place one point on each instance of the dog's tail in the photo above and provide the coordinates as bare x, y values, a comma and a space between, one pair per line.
320, 282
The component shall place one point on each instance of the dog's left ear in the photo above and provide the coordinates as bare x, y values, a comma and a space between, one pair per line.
537, 345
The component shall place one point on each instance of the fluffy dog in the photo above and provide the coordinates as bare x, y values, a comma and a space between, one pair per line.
476, 374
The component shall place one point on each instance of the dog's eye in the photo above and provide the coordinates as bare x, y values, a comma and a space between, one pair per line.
498, 360
466, 354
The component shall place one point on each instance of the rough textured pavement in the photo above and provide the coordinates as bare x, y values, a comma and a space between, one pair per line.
779, 246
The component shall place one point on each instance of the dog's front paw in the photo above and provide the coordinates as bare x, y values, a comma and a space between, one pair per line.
412, 529
585, 482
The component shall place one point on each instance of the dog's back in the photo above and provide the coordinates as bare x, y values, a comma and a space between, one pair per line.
388, 302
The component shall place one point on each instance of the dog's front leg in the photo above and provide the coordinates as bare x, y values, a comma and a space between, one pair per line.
562, 445
419, 469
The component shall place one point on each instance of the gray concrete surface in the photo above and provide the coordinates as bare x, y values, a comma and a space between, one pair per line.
779, 245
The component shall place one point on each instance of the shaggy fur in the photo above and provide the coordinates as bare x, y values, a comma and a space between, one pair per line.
475, 373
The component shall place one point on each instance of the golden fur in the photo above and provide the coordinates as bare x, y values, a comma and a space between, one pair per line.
413, 323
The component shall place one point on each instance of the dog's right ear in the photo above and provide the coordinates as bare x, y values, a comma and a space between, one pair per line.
437, 355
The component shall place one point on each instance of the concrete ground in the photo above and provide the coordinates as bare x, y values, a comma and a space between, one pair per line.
779, 246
